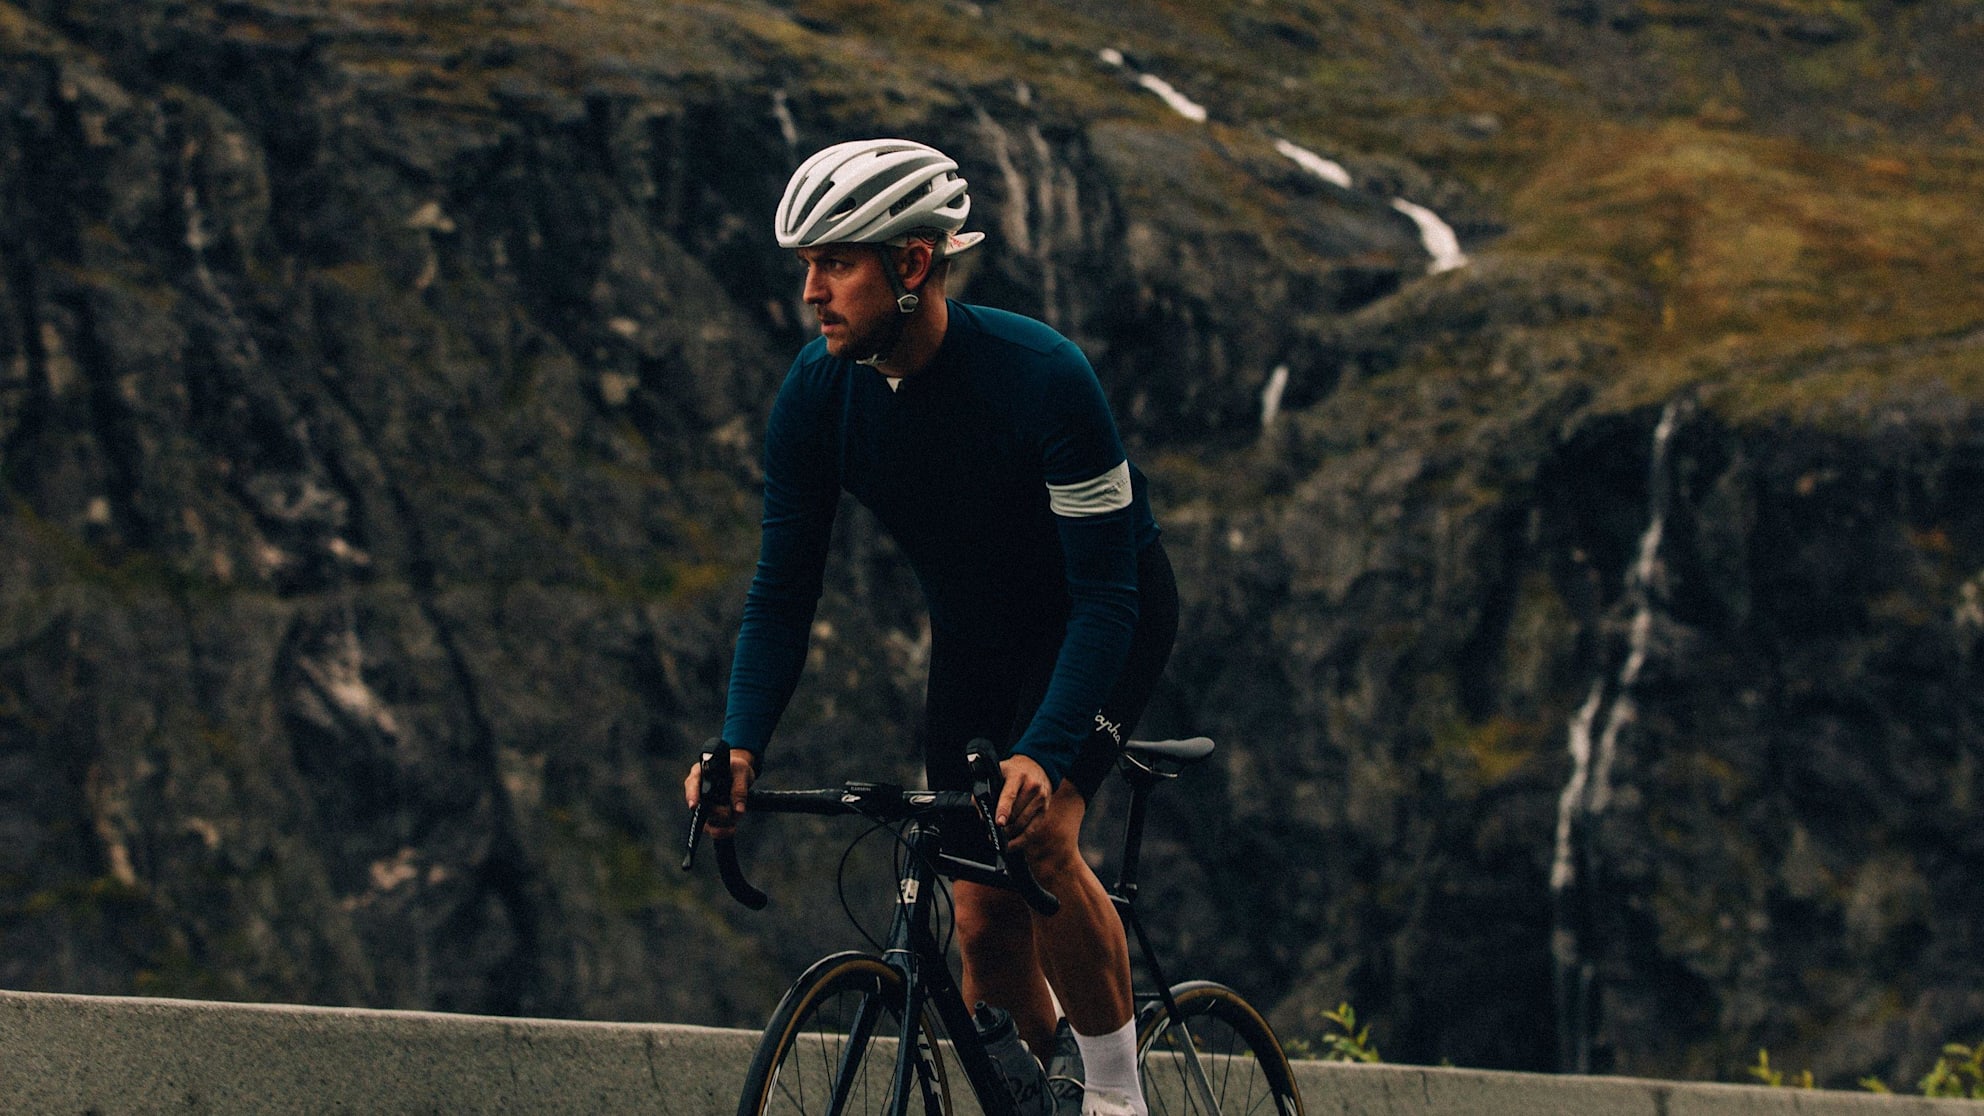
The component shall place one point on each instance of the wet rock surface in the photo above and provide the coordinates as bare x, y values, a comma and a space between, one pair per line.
379, 396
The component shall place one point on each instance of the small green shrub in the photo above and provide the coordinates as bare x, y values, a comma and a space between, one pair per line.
1347, 1043
1344, 1042
1958, 1073
1774, 1078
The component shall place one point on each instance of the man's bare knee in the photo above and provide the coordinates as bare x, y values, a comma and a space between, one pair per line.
1054, 852
990, 921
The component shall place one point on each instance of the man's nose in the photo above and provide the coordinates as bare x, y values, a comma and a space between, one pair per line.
813, 291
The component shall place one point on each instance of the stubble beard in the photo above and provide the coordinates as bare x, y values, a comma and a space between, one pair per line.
853, 343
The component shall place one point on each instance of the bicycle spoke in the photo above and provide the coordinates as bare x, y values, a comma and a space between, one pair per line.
833, 1051
1244, 1071
838, 1077
1231, 1076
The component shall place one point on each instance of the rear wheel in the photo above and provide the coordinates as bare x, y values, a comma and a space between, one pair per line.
1243, 1066
831, 1047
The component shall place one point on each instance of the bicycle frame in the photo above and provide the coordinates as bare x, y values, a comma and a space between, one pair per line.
912, 949
1123, 895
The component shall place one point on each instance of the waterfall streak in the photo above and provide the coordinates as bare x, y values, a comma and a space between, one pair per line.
1325, 169
1644, 582
197, 240
1014, 215
1040, 217
1180, 104
1562, 872
782, 112
1588, 792
1271, 395
1436, 235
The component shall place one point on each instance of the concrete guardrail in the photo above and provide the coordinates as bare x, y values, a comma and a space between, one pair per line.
110, 1056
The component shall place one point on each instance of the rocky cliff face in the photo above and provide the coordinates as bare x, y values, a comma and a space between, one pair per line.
1592, 630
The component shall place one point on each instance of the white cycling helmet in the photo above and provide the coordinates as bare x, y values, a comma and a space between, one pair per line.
874, 191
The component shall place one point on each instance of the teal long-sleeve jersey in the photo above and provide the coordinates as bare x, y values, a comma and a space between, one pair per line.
998, 471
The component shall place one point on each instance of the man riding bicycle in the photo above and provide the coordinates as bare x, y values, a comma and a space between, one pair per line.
982, 441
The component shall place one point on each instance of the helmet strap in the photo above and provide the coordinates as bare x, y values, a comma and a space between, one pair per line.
906, 300
906, 303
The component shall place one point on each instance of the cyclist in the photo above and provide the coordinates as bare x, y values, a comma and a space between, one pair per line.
981, 440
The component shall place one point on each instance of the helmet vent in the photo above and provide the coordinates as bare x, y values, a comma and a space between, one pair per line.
871, 192
825, 188
910, 199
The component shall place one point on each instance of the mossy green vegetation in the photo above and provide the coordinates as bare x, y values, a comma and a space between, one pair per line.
1790, 201
1775, 1078
1782, 277
1342, 1039
1494, 750
1957, 1075
1959, 1072
1790, 197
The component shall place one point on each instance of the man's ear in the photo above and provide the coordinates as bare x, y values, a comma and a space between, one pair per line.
914, 263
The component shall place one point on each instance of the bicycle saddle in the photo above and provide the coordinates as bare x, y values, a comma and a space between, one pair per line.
1167, 757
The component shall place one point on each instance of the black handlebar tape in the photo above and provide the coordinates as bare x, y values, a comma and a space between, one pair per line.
733, 876
715, 787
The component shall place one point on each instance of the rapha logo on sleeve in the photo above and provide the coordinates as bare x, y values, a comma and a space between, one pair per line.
1115, 731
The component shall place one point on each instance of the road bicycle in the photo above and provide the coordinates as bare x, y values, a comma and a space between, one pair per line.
865, 1033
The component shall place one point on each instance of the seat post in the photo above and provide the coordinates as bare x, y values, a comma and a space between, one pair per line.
1125, 891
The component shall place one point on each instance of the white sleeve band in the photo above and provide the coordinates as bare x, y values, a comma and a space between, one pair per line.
1106, 492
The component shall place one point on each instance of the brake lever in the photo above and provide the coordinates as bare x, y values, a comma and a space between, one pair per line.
715, 768
715, 781
985, 788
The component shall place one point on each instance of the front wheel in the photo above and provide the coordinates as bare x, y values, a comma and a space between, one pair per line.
831, 1047
1238, 1061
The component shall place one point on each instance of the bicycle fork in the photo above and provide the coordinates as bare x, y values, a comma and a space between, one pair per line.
913, 951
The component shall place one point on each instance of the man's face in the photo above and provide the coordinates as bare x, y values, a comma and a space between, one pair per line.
848, 290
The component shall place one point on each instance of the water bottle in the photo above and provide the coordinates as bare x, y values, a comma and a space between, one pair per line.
1025, 1080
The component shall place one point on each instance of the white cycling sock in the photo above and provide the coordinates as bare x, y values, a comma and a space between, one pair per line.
1109, 1065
